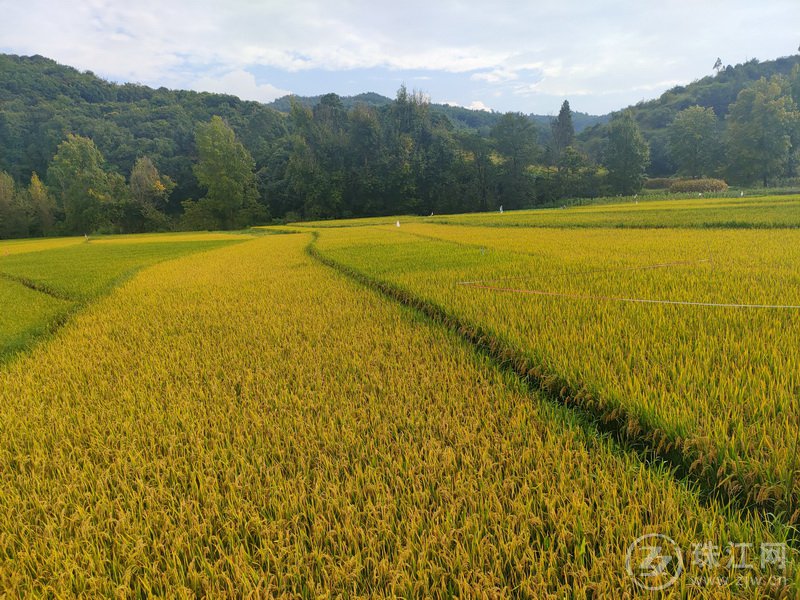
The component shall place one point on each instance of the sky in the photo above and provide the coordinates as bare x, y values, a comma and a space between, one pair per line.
526, 56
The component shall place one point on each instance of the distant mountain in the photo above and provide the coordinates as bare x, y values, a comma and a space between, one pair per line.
462, 118
42, 101
717, 91
368, 98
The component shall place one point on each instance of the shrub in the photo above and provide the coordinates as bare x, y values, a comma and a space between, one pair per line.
698, 185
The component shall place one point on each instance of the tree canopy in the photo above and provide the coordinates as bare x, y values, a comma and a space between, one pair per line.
694, 141
196, 160
627, 155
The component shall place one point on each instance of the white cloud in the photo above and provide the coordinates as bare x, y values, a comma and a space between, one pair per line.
478, 105
495, 76
505, 49
474, 105
239, 83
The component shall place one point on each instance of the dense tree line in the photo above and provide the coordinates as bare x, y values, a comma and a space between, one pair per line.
718, 95
81, 155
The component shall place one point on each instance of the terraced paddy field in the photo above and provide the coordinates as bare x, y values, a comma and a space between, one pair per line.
43, 281
430, 410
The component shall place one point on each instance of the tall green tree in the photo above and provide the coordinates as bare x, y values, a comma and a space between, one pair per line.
480, 169
365, 162
227, 172
760, 127
694, 141
82, 187
627, 155
563, 132
515, 140
12, 216
41, 207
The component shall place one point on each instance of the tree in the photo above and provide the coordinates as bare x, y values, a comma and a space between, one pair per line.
12, 217
478, 156
41, 207
148, 194
147, 186
760, 126
627, 155
563, 132
227, 171
718, 65
515, 140
575, 174
365, 158
82, 187
693, 141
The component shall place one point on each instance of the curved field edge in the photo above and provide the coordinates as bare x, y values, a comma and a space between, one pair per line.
749, 212
251, 423
67, 302
692, 458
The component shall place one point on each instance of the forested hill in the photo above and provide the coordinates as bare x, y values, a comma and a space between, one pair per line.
717, 91
481, 121
79, 154
42, 101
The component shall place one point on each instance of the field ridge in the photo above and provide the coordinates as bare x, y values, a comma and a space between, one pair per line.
694, 459
76, 301
37, 287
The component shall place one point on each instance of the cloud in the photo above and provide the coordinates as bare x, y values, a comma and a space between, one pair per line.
509, 50
478, 105
239, 83
474, 105
495, 76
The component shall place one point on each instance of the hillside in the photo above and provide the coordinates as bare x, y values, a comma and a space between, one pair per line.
716, 91
334, 157
462, 118
42, 101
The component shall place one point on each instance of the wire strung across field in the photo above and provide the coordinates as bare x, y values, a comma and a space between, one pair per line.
482, 285
592, 271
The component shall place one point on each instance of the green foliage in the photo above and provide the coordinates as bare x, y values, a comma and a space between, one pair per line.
627, 155
717, 92
41, 208
147, 186
148, 194
331, 157
761, 125
42, 101
693, 141
82, 187
227, 171
515, 140
25, 212
12, 218
563, 132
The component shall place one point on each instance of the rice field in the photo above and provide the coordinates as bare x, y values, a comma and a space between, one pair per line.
43, 281
748, 212
761, 212
430, 410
